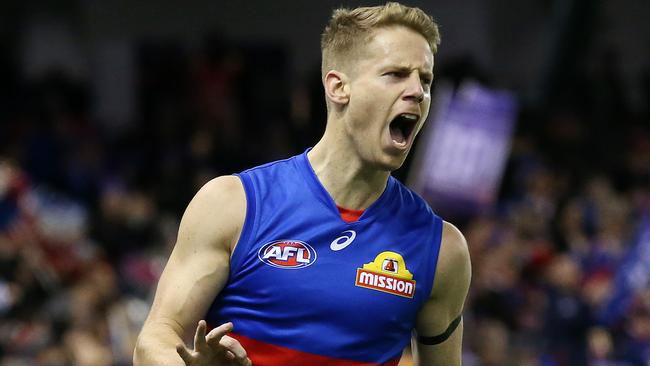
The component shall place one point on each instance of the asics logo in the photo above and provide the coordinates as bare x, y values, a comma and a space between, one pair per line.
343, 241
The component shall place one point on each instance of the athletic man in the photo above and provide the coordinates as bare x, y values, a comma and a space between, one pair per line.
324, 258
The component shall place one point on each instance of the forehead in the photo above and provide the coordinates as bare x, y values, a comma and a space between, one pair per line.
398, 46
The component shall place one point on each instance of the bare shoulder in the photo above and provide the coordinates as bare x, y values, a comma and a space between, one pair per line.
453, 272
450, 284
217, 211
454, 246
198, 266
226, 189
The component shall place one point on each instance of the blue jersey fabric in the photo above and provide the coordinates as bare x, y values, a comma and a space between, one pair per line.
317, 304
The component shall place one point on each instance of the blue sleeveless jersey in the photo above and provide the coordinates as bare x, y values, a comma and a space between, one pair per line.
306, 288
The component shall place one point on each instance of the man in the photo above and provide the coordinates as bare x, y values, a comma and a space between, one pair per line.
324, 258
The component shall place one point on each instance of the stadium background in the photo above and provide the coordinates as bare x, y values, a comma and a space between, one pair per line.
113, 113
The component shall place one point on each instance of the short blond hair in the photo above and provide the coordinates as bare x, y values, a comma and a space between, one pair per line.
349, 28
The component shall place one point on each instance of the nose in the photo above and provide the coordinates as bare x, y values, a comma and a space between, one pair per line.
414, 90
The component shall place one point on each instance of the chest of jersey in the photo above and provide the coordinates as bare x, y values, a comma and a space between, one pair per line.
303, 278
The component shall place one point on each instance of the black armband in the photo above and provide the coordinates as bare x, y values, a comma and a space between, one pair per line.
430, 341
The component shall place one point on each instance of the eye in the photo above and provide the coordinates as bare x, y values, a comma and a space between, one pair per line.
396, 74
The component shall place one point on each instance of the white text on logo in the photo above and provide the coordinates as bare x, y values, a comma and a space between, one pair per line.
385, 283
283, 254
287, 254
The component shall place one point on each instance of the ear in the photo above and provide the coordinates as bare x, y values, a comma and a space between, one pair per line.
337, 87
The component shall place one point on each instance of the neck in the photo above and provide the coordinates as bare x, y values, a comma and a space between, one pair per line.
350, 182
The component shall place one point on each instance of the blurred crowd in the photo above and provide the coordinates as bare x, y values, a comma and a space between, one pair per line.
89, 214
562, 263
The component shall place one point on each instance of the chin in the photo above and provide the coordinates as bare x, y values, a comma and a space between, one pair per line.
391, 163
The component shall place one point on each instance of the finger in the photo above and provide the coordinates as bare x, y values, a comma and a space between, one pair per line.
184, 353
230, 356
199, 336
232, 345
240, 361
217, 333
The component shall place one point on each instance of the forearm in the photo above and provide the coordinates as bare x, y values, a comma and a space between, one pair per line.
156, 345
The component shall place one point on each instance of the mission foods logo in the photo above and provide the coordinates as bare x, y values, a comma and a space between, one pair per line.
387, 273
287, 254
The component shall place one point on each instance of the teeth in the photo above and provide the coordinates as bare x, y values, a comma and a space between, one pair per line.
412, 117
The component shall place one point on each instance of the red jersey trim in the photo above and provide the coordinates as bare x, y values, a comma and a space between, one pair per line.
265, 354
349, 215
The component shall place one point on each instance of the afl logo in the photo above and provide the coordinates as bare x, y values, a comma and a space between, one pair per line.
287, 254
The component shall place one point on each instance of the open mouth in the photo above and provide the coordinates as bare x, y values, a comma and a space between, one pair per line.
402, 127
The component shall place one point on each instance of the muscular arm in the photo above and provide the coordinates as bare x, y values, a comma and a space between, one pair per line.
196, 271
445, 304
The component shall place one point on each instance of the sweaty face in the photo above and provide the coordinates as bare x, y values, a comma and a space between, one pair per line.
389, 96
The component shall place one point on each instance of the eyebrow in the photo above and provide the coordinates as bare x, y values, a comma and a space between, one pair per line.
408, 70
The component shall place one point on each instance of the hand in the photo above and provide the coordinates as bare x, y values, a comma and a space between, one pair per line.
214, 349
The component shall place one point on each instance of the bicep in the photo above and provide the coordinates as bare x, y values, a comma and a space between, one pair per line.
186, 288
436, 318
198, 266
